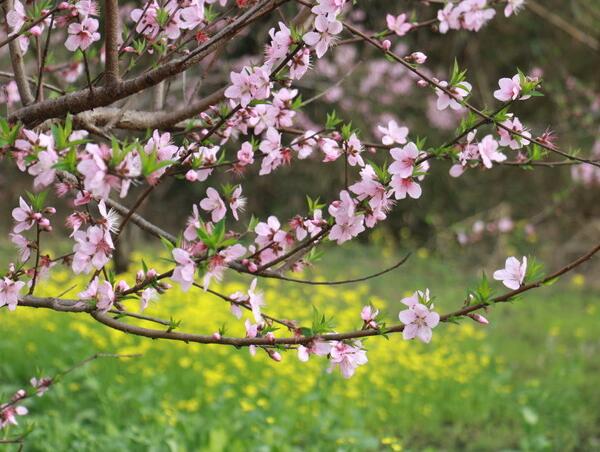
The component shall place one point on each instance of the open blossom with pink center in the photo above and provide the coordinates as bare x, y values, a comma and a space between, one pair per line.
43, 169
275, 154
510, 140
353, 150
82, 35
93, 249
419, 319
9, 413
398, 24
193, 15
513, 273
324, 34
459, 93
237, 202
271, 239
22, 244
488, 151
245, 155
330, 8
403, 186
369, 316
24, 216
214, 204
510, 89
185, 269
347, 223
101, 292
41, 385
16, 17
9, 292
9, 93
393, 133
148, 294
513, 7
299, 64
94, 169
279, 46
404, 160
347, 357
248, 84
217, 264
319, 348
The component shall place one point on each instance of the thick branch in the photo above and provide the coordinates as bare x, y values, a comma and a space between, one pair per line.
100, 97
143, 120
111, 43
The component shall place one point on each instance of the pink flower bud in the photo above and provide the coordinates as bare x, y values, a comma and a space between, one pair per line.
275, 356
50, 210
139, 276
418, 57
122, 286
479, 318
386, 44
216, 335
422, 84
270, 336
191, 176
151, 274
20, 394
63, 5
36, 30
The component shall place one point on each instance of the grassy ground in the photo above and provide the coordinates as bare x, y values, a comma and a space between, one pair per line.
526, 382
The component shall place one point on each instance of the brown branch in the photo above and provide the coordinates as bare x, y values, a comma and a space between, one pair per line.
143, 120
112, 31
16, 59
85, 100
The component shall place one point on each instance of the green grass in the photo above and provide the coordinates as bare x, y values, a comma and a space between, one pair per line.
528, 381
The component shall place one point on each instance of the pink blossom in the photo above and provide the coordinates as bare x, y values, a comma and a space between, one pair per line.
404, 160
24, 216
279, 46
248, 84
513, 141
513, 273
185, 269
101, 292
324, 35
42, 385
393, 133
256, 301
513, 7
251, 332
299, 64
148, 294
9, 413
353, 150
214, 204
193, 15
369, 315
510, 89
43, 169
23, 246
9, 93
479, 319
488, 150
405, 186
82, 35
398, 24
460, 92
347, 357
319, 348
16, 17
419, 319
9, 292
237, 202
245, 155
93, 249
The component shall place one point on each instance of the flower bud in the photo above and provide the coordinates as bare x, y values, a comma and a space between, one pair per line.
275, 356
386, 44
422, 84
479, 318
191, 176
216, 335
